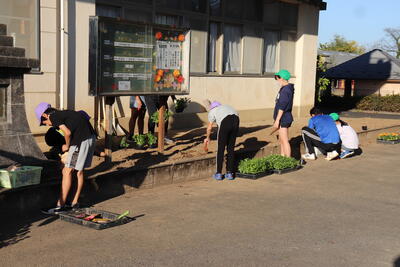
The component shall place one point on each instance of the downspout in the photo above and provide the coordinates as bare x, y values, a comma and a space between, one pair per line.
62, 32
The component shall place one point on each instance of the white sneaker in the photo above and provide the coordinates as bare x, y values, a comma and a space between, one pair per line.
331, 155
308, 156
317, 152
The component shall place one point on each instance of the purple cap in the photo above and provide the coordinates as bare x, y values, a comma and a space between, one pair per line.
40, 109
214, 104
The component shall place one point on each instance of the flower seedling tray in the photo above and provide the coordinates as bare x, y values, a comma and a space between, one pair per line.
253, 176
390, 142
287, 170
72, 217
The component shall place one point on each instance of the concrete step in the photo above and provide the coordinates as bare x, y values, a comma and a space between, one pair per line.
3, 29
12, 51
6, 40
18, 62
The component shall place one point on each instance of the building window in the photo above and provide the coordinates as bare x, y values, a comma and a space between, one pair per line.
289, 14
195, 5
232, 48
271, 40
233, 8
271, 12
171, 20
174, 4
22, 20
287, 51
253, 10
108, 11
215, 7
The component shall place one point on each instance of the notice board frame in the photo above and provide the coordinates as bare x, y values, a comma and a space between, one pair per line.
96, 54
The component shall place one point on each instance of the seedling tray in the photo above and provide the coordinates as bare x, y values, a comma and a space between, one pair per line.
71, 217
389, 142
253, 176
287, 170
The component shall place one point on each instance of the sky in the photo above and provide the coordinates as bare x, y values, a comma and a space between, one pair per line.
359, 20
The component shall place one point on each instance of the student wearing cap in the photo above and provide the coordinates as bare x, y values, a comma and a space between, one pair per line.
227, 119
322, 134
79, 144
348, 136
283, 110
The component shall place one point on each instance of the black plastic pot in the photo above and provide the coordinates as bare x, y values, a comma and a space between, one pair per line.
287, 170
253, 176
179, 110
390, 142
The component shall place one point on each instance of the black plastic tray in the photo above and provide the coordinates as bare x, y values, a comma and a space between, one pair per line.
287, 170
253, 176
390, 142
70, 217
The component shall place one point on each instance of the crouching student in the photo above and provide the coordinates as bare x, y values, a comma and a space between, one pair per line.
227, 120
79, 143
348, 137
321, 133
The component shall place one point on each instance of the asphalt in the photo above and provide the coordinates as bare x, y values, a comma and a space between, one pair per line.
339, 213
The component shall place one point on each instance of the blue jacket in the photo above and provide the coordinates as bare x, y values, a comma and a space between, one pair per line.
284, 101
326, 128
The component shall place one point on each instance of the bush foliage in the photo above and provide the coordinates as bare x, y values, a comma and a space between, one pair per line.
390, 103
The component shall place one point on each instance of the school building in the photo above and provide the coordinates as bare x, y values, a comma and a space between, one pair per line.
236, 46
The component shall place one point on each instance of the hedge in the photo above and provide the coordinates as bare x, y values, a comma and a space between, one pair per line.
390, 103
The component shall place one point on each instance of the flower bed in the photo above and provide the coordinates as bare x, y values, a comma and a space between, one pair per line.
388, 138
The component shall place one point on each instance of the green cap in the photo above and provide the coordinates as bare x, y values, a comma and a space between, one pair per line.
334, 116
284, 74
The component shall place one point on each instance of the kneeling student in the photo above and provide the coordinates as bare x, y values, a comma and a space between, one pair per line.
348, 136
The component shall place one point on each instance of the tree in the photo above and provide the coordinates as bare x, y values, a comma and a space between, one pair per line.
391, 42
340, 44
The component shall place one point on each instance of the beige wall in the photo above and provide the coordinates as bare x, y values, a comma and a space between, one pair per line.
242, 92
383, 88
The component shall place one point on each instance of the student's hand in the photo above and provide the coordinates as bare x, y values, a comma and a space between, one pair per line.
206, 141
276, 124
139, 105
65, 148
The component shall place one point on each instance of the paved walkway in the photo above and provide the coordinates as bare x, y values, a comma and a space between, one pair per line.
342, 213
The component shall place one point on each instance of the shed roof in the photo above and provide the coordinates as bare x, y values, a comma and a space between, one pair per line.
374, 65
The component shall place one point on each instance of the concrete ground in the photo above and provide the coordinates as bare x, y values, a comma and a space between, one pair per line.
340, 213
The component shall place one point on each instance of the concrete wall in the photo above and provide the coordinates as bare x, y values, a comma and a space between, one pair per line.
246, 93
368, 87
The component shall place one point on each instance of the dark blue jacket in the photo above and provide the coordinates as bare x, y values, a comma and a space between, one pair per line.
284, 101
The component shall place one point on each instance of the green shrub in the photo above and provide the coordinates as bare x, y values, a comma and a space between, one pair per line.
140, 139
253, 166
278, 162
154, 116
390, 103
151, 139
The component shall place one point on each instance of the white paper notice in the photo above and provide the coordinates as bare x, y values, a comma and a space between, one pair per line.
168, 55
124, 85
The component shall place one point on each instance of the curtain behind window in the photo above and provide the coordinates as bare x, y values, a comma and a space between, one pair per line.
270, 43
212, 46
232, 48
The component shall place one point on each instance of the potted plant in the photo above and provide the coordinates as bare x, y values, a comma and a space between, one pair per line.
388, 138
154, 117
151, 140
140, 141
281, 164
181, 104
253, 168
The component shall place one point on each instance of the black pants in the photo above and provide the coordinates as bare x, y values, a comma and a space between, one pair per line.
227, 134
153, 103
311, 140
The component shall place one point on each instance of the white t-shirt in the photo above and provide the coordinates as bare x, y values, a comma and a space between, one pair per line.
348, 136
219, 113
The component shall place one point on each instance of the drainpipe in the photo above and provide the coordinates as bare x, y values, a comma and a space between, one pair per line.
62, 32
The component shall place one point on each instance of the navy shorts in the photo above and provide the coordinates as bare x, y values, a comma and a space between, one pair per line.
285, 124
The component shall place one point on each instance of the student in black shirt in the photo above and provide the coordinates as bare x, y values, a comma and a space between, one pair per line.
79, 144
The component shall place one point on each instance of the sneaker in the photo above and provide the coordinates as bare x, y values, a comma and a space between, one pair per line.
309, 156
75, 206
229, 176
218, 177
317, 152
56, 210
346, 153
331, 155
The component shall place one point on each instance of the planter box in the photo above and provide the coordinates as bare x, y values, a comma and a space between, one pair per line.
287, 170
390, 142
71, 217
253, 176
26, 175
